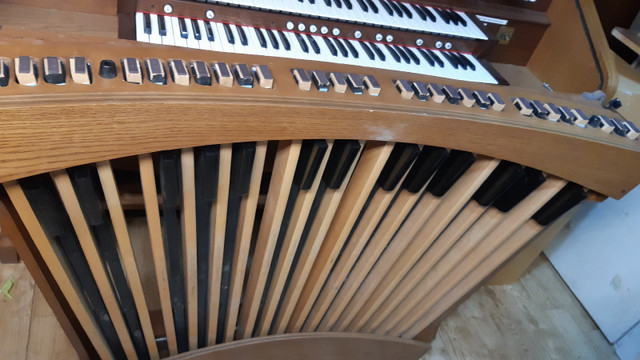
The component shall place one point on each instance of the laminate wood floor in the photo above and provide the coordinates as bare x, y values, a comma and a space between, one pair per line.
534, 318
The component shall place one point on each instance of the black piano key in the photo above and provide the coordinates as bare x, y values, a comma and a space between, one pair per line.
399, 161
273, 39
403, 55
207, 162
348, 4
367, 50
85, 190
393, 52
429, 13
363, 6
426, 164
303, 44
85, 186
395, 7
242, 157
460, 20
404, 9
327, 2
340, 47
330, 46
469, 63
182, 24
529, 181
386, 7
443, 15
378, 52
505, 175
313, 44
451, 170
427, 57
209, 30
453, 61
412, 55
162, 25
48, 208
196, 30
343, 154
435, 58
460, 60
285, 41
147, 23
261, 39
372, 6
452, 16
242, 35
311, 154
419, 11
352, 49
570, 195
229, 34
338, 4
169, 171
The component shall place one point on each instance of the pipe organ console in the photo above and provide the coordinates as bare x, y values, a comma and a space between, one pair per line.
233, 174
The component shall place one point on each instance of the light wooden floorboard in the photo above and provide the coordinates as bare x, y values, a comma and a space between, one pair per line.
46, 338
534, 318
15, 313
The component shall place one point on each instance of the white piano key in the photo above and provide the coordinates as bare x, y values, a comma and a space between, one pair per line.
140, 34
216, 44
177, 37
155, 37
203, 43
168, 39
192, 42
253, 39
222, 37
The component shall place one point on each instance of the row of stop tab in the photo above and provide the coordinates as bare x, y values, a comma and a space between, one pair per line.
549, 111
180, 72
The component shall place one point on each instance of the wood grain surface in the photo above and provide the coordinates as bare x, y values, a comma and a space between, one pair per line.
75, 124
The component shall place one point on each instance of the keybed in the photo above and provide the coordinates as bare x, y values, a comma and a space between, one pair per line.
237, 38
380, 13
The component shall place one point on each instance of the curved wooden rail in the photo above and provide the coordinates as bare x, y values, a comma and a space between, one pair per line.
54, 135
313, 346
50, 127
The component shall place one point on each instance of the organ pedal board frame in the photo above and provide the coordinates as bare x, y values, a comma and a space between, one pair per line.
188, 202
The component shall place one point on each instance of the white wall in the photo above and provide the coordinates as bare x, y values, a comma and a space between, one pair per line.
598, 256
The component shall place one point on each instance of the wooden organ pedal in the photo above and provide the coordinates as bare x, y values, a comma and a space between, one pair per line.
250, 203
